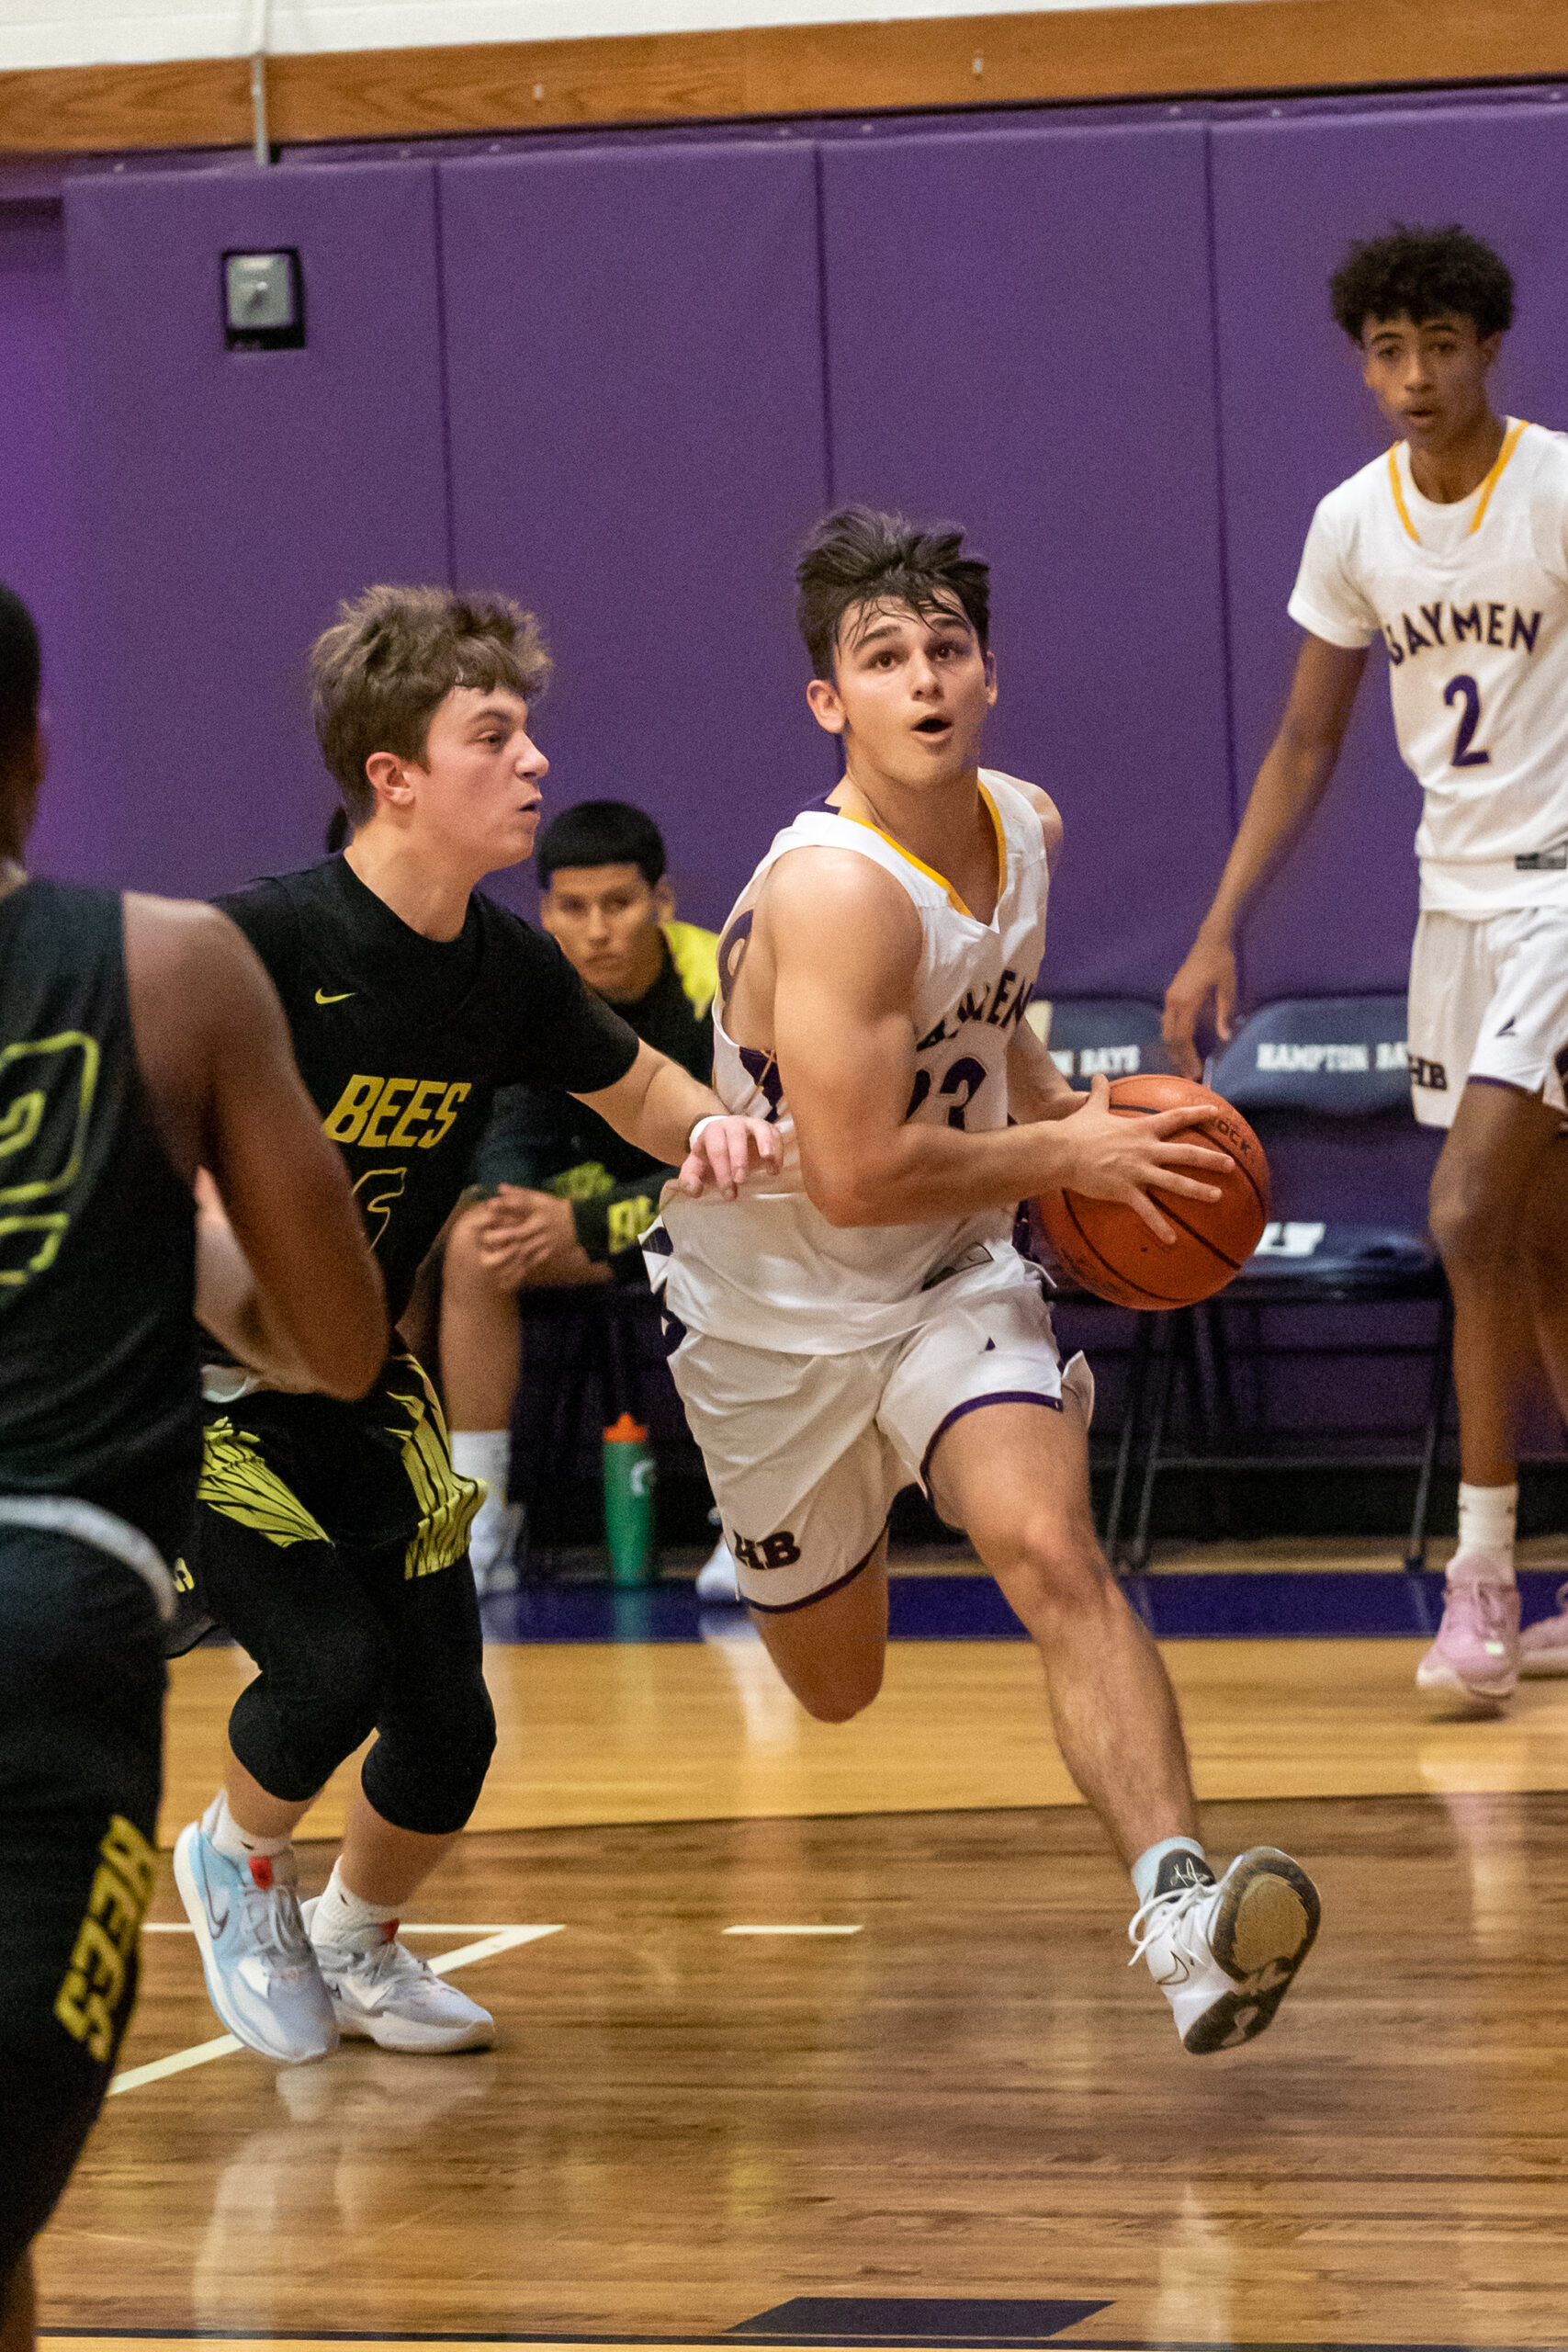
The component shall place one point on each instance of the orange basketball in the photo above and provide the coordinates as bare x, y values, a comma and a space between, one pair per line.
1107, 1247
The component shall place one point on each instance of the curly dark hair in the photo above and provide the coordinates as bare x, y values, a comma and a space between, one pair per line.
860, 557
1419, 274
379, 675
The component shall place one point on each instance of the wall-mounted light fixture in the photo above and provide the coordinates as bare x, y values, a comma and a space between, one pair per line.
264, 301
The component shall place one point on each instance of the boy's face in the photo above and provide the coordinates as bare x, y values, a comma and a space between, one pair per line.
1429, 380
911, 691
605, 920
478, 787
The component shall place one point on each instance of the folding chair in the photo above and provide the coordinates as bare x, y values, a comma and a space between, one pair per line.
1324, 1082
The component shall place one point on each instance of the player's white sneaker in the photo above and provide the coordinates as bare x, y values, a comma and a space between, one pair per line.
1225, 1954
493, 1541
261, 1973
719, 1578
387, 1995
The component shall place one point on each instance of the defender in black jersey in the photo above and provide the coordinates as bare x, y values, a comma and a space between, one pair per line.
326, 1534
137, 1038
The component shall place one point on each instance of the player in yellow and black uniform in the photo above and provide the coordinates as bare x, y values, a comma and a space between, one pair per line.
137, 1038
325, 1534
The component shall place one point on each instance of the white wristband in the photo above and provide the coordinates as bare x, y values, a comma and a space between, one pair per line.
706, 1121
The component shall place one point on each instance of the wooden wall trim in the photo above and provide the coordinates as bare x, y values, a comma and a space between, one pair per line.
1205, 47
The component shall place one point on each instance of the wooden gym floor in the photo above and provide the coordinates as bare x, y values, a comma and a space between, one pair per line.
953, 2091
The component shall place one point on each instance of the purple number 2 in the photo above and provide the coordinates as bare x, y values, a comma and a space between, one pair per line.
1463, 756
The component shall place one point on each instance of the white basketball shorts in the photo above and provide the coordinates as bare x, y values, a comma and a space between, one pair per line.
805, 1454
1488, 1005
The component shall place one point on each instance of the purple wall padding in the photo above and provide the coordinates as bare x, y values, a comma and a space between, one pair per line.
40, 544
1289, 197
636, 385
235, 496
1020, 338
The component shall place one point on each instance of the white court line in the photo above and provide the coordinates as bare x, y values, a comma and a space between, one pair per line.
790, 1931
498, 1939
405, 1927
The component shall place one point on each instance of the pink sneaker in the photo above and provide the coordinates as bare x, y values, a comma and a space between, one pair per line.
1476, 1654
1543, 1647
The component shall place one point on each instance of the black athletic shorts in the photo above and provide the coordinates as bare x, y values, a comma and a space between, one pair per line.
81, 1741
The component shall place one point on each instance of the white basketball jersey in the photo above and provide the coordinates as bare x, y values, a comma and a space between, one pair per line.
767, 1269
1472, 602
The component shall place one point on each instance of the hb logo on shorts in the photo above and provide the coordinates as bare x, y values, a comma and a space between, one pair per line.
1431, 1075
780, 1551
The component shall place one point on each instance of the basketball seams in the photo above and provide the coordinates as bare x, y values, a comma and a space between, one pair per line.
1155, 1298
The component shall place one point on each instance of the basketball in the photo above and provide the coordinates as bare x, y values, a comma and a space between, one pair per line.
1106, 1248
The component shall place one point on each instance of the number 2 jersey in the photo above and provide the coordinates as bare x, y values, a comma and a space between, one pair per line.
1470, 600
767, 1269
403, 1040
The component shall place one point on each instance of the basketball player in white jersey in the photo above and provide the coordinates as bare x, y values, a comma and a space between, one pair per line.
864, 1321
1453, 551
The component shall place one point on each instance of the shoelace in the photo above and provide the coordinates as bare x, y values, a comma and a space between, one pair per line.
1489, 1601
272, 1916
388, 1960
1168, 1913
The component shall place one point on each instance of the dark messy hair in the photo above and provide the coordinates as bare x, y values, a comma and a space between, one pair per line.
602, 832
859, 556
21, 676
380, 673
1419, 274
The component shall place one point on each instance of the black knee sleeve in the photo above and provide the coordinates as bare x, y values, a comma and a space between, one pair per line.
427, 1768
294, 1724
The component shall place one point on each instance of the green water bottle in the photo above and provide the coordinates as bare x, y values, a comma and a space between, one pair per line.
628, 1502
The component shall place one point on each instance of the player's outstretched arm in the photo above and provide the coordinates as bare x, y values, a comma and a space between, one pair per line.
215, 1052
656, 1106
1289, 784
846, 943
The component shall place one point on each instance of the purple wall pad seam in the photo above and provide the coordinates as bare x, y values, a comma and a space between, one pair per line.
990, 297
636, 397
236, 496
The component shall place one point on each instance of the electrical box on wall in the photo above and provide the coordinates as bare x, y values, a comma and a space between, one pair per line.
264, 301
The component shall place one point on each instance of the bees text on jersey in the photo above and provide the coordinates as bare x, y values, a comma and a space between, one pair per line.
403, 1041
1470, 600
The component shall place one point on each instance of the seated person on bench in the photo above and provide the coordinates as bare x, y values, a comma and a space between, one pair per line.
562, 1197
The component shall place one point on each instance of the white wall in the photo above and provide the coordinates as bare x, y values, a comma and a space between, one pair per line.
99, 32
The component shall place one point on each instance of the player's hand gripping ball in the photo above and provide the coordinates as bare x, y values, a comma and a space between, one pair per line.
1106, 1248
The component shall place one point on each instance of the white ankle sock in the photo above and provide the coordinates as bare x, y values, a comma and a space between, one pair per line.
345, 1918
483, 1453
1146, 1870
1486, 1517
237, 1844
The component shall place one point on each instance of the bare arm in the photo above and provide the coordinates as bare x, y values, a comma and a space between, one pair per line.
656, 1106
846, 942
1290, 784
215, 1052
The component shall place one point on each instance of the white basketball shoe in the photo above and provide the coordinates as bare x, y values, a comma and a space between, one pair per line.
384, 1993
1225, 1953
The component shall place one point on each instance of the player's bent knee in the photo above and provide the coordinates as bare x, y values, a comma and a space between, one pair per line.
1465, 1222
427, 1774
1049, 1569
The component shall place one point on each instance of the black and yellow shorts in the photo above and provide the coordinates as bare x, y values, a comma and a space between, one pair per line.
373, 1476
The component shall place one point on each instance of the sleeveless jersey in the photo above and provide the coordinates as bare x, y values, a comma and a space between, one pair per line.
767, 1269
1472, 602
99, 1388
